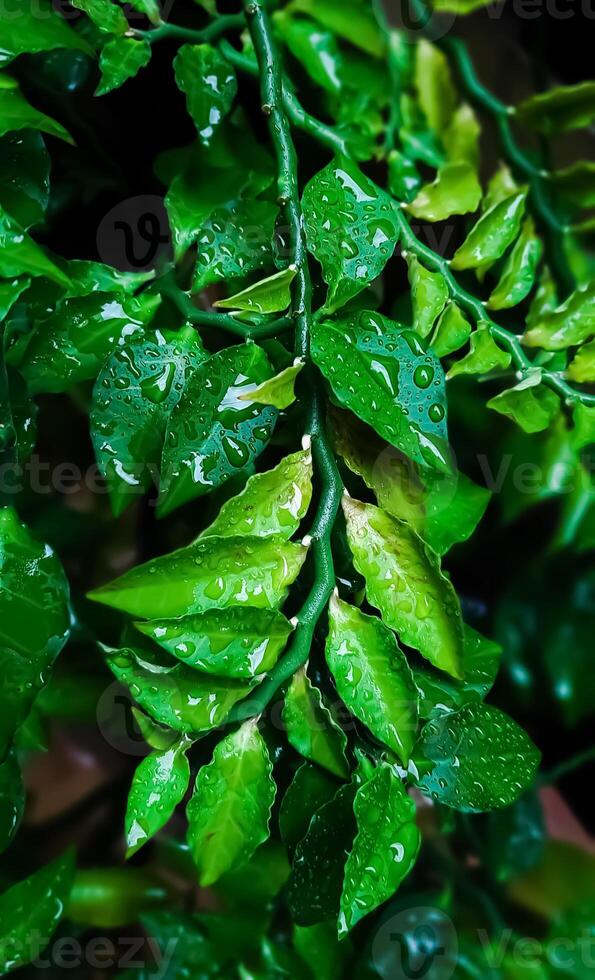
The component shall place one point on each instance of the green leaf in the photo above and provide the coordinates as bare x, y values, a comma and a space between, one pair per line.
429, 295
310, 788
278, 391
384, 850
372, 676
514, 838
577, 183
71, 344
484, 355
455, 190
520, 270
176, 696
560, 109
500, 187
270, 295
158, 785
273, 502
439, 694
28, 29
403, 179
19, 254
460, 7
233, 241
12, 799
31, 910
569, 324
351, 229
34, 620
452, 331
582, 366
494, 232
319, 947
480, 759
530, 403
404, 581
24, 178
461, 137
133, 398
9, 294
315, 897
120, 60
107, 16
311, 728
16, 114
316, 50
234, 642
157, 736
209, 83
228, 815
148, 8
353, 20
435, 88
211, 434
370, 354
211, 573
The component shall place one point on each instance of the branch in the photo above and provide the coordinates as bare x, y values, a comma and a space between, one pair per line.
222, 321
164, 31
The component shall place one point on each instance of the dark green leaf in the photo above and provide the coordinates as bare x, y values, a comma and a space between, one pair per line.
311, 728
12, 799
481, 660
28, 29
577, 183
19, 254
209, 84
16, 114
530, 404
120, 60
233, 241
310, 789
24, 179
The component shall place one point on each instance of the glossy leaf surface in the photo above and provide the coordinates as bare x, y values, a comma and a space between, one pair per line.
20, 254
209, 84
455, 190
530, 404
571, 323
120, 60
270, 295
494, 232
484, 355
519, 273
16, 114
429, 295
452, 331
29, 30
481, 660
311, 728
158, 785
233, 241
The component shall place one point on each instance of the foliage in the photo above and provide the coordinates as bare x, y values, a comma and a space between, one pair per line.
278, 403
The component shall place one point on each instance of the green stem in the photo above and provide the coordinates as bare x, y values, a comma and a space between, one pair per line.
221, 321
272, 86
476, 308
214, 30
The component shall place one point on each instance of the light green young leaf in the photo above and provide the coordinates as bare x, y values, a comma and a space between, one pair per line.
351, 229
439, 694
34, 620
233, 241
16, 114
404, 581
452, 331
583, 431
560, 109
158, 785
459, 7
12, 799
239, 641
518, 276
461, 137
494, 232
278, 391
228, 815
435, 88
20, 254
29, 29
211, 573
311, 728
501, 185
33, 908
209, 84
429, 295
273, 502
107, 16
384, 850
566, 326
120, 60
176, 696
270, 295
133, 397
530, 404
353, 21
476, 759
369, 353
582, 366
372, 676
484, 355
211, 434
455, 190
148, 8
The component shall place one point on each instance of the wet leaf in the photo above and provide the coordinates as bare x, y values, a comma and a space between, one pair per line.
175, 695
353, 21
494, 232
372, 676
316, 50
384, 374
351, 229
209, 84
211, 573
455, 190
571, 323
310, 788
439, 694
484, 355
278, 391
211, 434
270, 295
452, 331
520, 270
19, 254
158, 785
233, 241
234, 642
560, 109
12, 799
429, 295
480, 759
530, 403
31, 29
311, 728
229, 812
16, 114
404, 581
24, 180
120, 60
34, 620
403, 178
107, 16
384, 850
33, 908
273, 502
